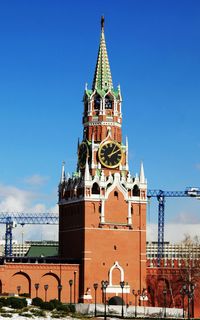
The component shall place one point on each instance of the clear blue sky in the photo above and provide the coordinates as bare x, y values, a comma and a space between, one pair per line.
48, 50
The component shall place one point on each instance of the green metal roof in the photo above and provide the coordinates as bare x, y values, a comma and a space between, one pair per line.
102, 77
102, 93
42, 251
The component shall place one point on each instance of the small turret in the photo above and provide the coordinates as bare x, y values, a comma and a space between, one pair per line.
142, 176
87, 176
127, 167
62, 179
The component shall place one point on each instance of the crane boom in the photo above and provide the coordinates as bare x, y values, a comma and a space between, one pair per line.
28, 218
161, 195
12, 219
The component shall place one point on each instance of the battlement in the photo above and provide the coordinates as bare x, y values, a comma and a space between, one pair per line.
173, 263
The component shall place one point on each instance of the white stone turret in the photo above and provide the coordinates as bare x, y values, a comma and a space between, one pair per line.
142, 176
92, 162
127, 167
62, 179
87, 171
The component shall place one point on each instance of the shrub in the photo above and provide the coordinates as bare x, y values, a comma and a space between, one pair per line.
37, 302
17, 303
57, 315
64, 308
3, 311
25, 295
4, 301
56, 303
67, 308
72, 308
25, 314
47, 306
25, 309
38, 313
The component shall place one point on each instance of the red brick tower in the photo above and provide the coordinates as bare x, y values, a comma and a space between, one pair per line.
102, 208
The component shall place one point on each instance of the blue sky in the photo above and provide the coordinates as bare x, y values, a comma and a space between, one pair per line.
48, 51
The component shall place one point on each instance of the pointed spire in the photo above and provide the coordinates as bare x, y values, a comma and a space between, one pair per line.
63, 173
87, 171
127, 167
102, 77
102, 176
92, 160
136, 178
142, 177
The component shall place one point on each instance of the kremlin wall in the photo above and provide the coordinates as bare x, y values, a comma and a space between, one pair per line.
102, 222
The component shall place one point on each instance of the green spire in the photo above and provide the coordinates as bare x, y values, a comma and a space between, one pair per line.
102, 77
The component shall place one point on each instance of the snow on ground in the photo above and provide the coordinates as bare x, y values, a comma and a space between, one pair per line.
15, 316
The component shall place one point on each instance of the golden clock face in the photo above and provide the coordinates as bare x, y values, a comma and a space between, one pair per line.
82, 154
110, 154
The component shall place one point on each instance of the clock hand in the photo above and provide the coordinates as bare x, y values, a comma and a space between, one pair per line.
113, 152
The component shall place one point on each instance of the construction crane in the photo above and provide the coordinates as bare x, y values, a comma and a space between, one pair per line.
161, 195
12, 219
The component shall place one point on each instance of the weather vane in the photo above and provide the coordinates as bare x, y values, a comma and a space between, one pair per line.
102, 22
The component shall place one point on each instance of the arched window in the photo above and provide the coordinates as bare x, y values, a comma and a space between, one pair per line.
118, 268
116, 194
95, 188
97, 102
108, 102
136, 191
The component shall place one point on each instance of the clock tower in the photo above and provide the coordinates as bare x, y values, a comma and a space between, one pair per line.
102, 208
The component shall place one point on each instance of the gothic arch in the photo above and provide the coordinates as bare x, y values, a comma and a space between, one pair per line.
117, 184
97, 101
136, 191
109, 100
115, 266
110, 95
95, 188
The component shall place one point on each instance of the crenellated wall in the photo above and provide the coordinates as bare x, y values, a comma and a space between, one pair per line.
171, 275
26, 275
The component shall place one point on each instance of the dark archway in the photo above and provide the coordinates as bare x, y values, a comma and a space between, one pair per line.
95, 188
136, 191
97, 102
108, 102
116, 301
